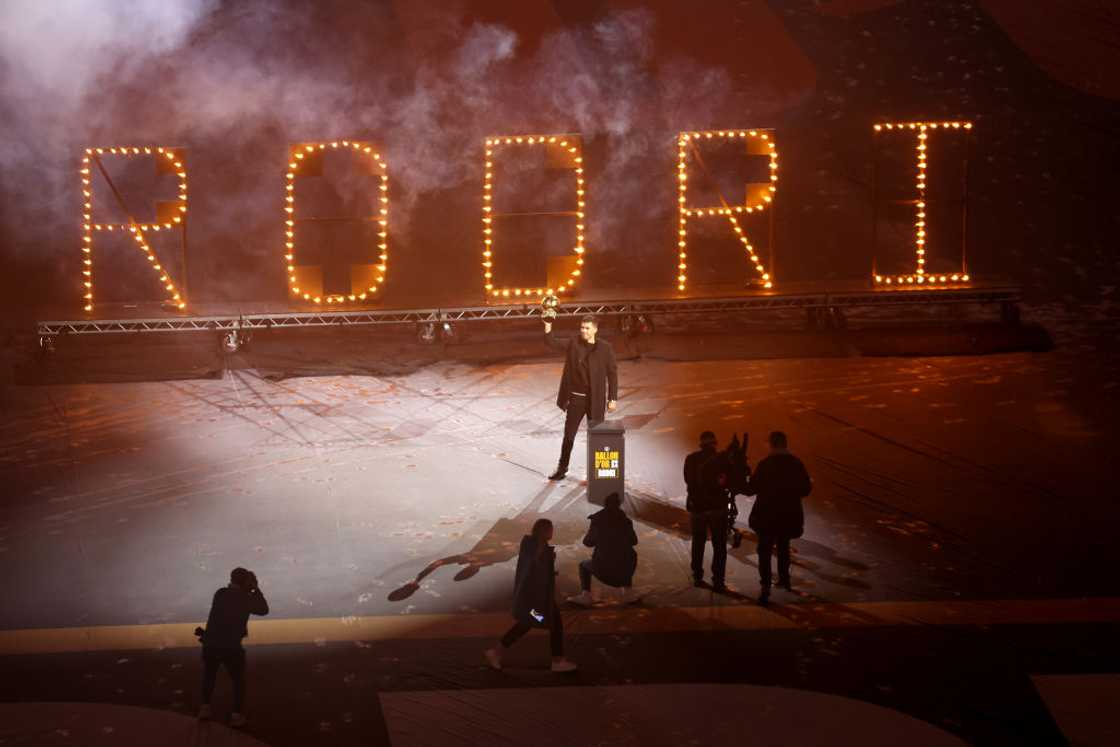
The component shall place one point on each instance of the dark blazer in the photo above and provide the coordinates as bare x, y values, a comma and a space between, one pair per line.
534, 585
601, 366
780, 482
612, 535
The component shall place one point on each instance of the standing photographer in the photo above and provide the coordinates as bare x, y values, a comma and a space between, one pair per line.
227, 624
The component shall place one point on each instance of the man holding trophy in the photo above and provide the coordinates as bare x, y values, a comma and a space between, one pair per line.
589, 384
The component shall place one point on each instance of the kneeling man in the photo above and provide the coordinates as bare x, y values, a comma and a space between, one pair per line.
614, 560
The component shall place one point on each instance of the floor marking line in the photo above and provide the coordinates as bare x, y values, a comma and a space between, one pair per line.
604, 620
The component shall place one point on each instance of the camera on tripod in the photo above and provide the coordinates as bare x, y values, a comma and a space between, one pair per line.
733, 477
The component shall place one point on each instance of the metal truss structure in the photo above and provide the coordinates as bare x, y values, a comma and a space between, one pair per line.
1006, 297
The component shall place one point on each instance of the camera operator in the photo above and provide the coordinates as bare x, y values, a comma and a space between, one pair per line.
707, 505
221, 640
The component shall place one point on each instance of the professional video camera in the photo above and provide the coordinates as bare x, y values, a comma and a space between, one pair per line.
731, 473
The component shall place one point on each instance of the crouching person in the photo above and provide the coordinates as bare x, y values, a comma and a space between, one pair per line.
227, 624
614, 559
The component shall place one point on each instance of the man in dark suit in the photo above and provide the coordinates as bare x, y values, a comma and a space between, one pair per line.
588, 386
779, 482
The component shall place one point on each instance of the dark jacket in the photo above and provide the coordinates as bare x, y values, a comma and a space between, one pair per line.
228, 622
780, 482
602, 369
705, 493
534, 584
612, 535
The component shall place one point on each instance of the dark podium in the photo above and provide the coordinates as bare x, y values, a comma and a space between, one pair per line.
606, 461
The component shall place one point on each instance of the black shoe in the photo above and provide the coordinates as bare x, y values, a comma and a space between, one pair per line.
764, 596
698, 582
559, 474
719, 586
785, 584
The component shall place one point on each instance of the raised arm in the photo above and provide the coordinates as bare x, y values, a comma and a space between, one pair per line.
559, 344
258, 605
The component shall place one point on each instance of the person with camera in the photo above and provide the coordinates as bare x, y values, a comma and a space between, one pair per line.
534, 598
589, 384
707, 504
226, 625
779, 483
614, 559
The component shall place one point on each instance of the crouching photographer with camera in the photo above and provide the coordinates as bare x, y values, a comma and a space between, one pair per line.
226, 625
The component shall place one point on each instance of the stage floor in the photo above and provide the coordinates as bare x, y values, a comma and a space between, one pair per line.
390, 507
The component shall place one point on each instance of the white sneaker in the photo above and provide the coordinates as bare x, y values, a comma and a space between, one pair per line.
583, 599
563, 665
204, 712
236, 720
493, 658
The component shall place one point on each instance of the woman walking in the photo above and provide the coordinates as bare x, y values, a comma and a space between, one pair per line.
534, 598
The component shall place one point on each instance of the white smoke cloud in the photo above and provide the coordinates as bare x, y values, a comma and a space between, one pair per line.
56, 49
220, 77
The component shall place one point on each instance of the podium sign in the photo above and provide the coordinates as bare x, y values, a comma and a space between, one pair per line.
606, 461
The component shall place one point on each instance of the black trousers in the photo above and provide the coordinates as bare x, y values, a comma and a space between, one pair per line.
579, 406
555, 633
705, 524
233, 659
766, 545
587, 572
